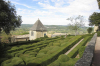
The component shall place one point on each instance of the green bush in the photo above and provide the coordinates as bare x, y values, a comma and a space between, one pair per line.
13, 62
98, 33
56, 44
74, 52
39, 55
88, 35
22, 47
48, 58
42, 57
71, 62
27, 57
81, 51
63, 58
55, 63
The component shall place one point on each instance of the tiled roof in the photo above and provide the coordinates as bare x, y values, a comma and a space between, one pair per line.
38, 26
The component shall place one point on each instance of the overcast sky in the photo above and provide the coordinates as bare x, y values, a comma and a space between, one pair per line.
54, 12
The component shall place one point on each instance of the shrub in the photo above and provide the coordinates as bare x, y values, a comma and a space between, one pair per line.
13, 62
89, 30
74, 52
81, 51
56, 44
63, 58
55, 63
48, 58
45, 36
71, 62
39, 55
27, 57
98, 33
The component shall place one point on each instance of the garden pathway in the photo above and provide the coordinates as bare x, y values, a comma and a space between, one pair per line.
96, 60
73, 47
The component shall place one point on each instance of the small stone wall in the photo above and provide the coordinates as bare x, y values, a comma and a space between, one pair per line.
88, 54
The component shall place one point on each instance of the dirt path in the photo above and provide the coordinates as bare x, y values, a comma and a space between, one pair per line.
73, 47
96, 60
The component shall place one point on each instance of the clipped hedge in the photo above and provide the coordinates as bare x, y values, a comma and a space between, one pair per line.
22, 47
13, 62
30, 41
61, 59
87, 58
78, 49
81, 50
48, 58
64, 60
74, 52
98, 33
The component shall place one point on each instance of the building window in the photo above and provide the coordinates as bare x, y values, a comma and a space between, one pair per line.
32, 33
44, 34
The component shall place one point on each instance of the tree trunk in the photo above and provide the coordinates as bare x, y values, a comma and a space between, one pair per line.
75, 32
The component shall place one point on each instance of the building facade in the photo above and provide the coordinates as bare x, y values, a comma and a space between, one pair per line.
38, 30
95, 28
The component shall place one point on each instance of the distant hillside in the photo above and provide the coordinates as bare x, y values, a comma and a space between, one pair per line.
24, 28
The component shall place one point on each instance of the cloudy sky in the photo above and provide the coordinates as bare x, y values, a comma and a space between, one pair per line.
54, 12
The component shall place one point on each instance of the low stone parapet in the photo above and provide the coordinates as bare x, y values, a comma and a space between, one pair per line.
88, 54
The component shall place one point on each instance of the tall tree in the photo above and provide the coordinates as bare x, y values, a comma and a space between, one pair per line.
8, 21
8, 17
94, 19
98, 3
89, 30
76, 23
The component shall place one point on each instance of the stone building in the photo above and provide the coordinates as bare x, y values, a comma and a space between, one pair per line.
38, 30
95, 28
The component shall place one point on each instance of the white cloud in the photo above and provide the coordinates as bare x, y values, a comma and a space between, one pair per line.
22, 4
58, 12
75, 7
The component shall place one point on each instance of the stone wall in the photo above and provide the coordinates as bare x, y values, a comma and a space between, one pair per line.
88, 54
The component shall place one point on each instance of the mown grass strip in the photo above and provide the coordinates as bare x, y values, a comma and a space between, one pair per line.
74, 52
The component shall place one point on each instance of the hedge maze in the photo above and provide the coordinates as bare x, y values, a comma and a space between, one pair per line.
70, 59
47, 52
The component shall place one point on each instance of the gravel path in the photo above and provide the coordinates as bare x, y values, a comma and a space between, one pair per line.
96, 60
73, 47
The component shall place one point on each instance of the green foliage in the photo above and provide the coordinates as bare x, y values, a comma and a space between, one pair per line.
8, 18
63, 58
53, 54
27, 42
98, 33
94, 19
66, 61
76, 23
71, 62
38, 54
88, 35
56, 44
13, 62
89, 30
5, 37
81, 51
45, 36
74, 52
56, 63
